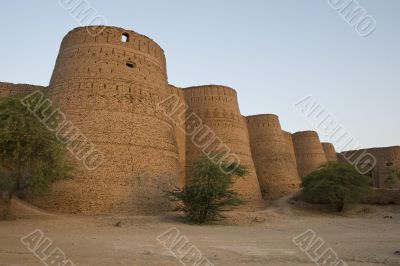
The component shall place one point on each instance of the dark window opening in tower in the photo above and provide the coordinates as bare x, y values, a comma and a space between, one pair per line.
389, 164
125, 37
130, 64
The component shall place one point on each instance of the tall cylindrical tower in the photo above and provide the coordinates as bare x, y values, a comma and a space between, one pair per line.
330, 152
108, 85
309, 152
217, 108
276, 168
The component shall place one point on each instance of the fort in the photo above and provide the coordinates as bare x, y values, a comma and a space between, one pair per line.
109, 85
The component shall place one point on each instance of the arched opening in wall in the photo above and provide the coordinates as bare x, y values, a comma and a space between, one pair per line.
125, 37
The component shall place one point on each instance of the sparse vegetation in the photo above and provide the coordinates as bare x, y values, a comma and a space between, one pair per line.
31, 158
393, 178
209, 190
336, 184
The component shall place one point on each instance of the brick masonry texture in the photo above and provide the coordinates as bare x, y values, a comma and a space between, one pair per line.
386, 160
309, 152
330, 152
218, 109
272, 154
109, 86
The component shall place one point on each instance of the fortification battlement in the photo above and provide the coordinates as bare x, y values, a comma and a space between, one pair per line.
306, 134
114, 36
263, 120
210, 90
115, 56
308, 138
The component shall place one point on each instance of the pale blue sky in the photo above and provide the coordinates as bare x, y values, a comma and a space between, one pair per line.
272, 52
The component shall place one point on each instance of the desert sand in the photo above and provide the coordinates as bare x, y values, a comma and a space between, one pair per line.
362, 236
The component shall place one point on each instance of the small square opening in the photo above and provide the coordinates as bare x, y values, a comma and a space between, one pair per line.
125, 37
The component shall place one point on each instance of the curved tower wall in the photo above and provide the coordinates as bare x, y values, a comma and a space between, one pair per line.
274, 161
330, 152
178, 121
109, 89
289, 142
309, 152
218, 109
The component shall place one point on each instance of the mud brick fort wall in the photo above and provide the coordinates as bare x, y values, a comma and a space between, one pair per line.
330, 152
275, 164
379, 162
109, 84
309, 152
218, 109
10, 89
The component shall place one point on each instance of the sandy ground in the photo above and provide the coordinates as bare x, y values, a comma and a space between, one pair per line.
360, 237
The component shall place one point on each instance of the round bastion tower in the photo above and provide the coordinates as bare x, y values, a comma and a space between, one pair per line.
218, 109
330, 152
275, 164
309, 152
108, 84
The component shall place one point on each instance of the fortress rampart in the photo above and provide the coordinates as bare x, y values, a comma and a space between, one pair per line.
110, 87
309, 152
330, 152
276, 169
10, 89
218, 109
381, 163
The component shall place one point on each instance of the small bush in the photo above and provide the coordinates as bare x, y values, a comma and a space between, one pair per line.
336, 184
209, 190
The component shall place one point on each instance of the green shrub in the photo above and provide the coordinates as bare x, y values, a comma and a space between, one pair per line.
31, 157
209, 190
336, 184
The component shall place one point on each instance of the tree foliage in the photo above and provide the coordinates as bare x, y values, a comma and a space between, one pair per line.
336, 184
209, 190
31, 157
